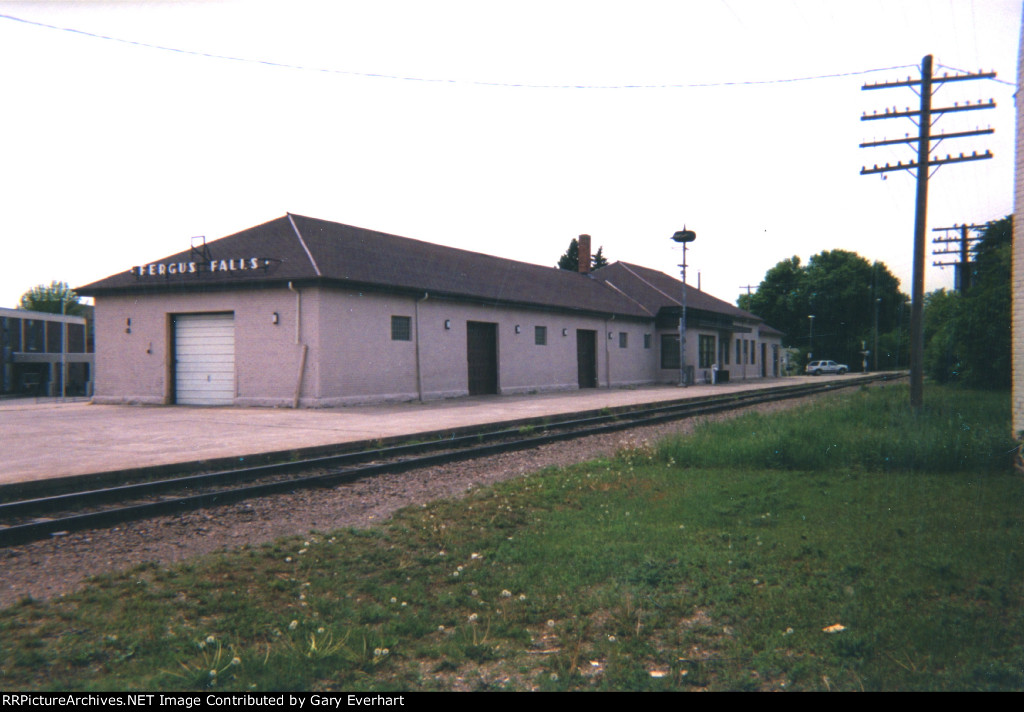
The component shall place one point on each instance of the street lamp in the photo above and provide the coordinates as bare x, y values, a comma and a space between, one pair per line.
683, 237
810, 348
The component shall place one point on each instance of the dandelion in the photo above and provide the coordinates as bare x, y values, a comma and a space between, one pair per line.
475, 555
522, 596
394, 600
288, 559
293, 625
551, 624
236, 660
505, 593
303, 551
474, 592
210, 639
611, 639
473, 617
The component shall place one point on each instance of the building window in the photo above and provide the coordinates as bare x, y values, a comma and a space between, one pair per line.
76, 338
738, 359
746, 351
623, 340
723, 351
401, 328
647, 341
706, 349
753, 352
540, 335
670, 351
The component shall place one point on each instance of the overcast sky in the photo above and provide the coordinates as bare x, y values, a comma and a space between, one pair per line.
507, 128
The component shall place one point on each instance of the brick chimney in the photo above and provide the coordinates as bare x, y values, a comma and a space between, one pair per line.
584, 254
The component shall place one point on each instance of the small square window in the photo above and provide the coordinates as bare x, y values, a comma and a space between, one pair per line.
401, 328
623, 339
540, 335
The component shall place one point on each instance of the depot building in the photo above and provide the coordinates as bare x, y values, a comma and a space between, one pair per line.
304, 312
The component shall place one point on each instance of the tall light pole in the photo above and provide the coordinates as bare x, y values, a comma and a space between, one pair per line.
810, 347
878, 302
683, 237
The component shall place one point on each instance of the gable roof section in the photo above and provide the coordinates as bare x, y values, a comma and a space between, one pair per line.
656, 291
308, 250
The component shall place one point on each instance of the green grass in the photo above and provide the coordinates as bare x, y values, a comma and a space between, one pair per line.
711, 562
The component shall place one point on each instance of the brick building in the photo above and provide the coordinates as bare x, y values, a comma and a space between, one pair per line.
301, 311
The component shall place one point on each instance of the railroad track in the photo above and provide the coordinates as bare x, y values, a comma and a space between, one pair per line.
35, 518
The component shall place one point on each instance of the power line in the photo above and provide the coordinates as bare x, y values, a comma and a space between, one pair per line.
398, 77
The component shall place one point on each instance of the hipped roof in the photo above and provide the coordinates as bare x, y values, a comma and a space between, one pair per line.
305, 250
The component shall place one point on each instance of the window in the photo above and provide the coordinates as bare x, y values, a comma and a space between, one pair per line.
738, 360
746, 351
706, 349
647, 341
670, 351
623, 340
753, 352
401, 328
540, 335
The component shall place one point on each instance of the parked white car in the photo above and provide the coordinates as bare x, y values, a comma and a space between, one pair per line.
816, 368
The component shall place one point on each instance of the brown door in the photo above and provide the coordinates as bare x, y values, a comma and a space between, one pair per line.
482, 355
586, 357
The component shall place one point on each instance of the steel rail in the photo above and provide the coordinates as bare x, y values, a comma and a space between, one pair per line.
460, 448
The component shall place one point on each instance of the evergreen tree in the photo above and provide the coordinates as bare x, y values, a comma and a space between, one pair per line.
570, 259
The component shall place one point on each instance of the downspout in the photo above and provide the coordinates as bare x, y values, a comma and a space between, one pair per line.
305, 348
607, 355
419, 373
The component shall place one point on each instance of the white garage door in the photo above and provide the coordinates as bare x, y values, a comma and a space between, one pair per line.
204, 366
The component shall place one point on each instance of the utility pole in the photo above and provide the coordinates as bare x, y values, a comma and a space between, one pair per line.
962, 281
921, 168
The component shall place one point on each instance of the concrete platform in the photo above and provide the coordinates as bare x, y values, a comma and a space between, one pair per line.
44, 439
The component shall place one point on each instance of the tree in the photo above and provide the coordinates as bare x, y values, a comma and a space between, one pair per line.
967, 336
850, 298
57, 298
570, 259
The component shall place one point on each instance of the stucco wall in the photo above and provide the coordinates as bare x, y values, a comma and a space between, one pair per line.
350, 356
133, 361
361, 363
